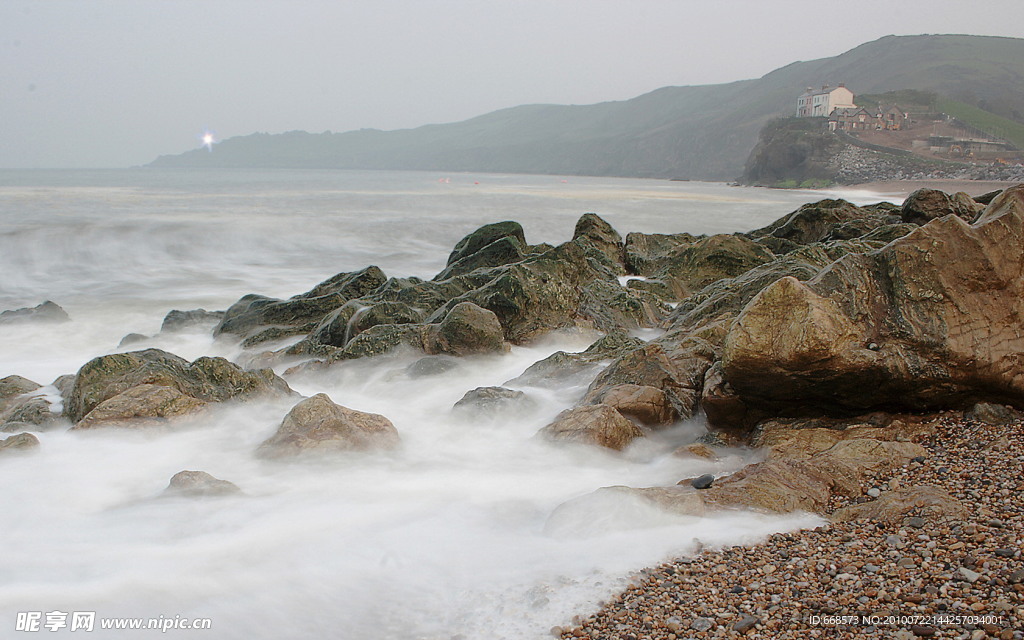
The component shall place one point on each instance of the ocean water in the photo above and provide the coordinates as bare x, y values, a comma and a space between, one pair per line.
442, 538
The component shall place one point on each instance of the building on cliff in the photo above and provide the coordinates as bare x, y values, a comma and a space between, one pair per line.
890, 118
821, 103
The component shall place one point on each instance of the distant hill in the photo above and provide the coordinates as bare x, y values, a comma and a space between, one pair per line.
698, 132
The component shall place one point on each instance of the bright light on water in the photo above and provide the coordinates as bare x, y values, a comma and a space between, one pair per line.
440, 538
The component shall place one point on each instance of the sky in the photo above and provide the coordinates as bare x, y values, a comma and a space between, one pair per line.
116, 83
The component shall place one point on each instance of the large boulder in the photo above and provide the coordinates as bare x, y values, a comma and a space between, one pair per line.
206, 379
601, 242
925, 205
931, 320
492, 401
318, 424
650, 367
466, 329
647, 405
484, 236
504, 250
648, 253
145, 405
828, 220
597, 424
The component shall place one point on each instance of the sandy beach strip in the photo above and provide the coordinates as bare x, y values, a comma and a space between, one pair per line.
906, 187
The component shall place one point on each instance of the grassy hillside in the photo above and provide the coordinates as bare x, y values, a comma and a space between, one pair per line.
701, 132
988, 122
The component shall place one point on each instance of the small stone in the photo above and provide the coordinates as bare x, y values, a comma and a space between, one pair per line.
969, 576
916, 522
701, 624
1017, 576
745, 623
922, 630
1007, 552
918, 459
874, 492
702, 482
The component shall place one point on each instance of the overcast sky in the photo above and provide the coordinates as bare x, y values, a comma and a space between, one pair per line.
115, 83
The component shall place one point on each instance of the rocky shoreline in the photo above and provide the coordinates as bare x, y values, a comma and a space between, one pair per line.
920, 575
837, 340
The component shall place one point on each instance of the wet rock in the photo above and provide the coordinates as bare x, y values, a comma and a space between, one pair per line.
564, 367
786, 484
176, 320
301, 313
802, 348
141, 406
65, 384
649, 253
318, 424
354, 317
485, 236
45, 312
894, 506
199, 484
597, 424
132, 338
18, 442
995, 414
11, 388
619, 508
827, 219
925, 205
703, 482
647, 405
493, 400
601, 242
696, 450
465, 330
206, 379
609, 307
34, 411
504, 250
648, 366
431, 366
708, 260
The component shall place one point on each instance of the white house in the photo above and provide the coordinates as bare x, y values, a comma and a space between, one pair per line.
823, 101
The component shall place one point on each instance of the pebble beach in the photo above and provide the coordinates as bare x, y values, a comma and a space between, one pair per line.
921, 577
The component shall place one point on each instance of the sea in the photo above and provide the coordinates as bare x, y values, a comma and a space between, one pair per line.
446, 538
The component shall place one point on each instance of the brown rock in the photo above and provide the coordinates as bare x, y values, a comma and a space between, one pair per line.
319, 424
931, 320
784, 484
597, 424
18, 442
893, 506
199, 484
646, 405
696, 450
207, 379
145, 405
925, 205
466, 329
648, 366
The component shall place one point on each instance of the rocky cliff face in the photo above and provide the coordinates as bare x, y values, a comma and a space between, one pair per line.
800, 152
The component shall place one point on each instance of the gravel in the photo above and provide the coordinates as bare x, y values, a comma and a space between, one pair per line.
923, 577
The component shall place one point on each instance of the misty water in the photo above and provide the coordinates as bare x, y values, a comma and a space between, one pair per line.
442, 538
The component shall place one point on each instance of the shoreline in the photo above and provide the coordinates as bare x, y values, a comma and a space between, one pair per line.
920, 576
906, 187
